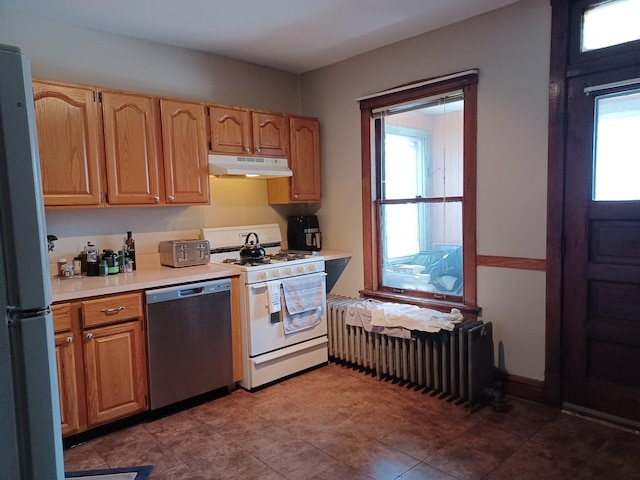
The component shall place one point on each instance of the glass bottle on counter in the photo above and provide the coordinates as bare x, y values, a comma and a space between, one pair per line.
131, 249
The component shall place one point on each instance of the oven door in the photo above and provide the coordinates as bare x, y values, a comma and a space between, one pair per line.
266, 331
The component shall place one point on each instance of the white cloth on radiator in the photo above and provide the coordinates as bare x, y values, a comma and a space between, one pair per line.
303, 293
360, 315
412, 317
273, 292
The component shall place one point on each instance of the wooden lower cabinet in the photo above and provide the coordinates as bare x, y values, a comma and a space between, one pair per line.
115, 372
67, 383
102, 374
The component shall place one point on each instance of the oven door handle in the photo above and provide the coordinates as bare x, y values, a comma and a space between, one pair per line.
255, 286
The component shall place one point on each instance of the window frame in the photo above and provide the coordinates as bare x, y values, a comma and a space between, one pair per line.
612, 56
372, 248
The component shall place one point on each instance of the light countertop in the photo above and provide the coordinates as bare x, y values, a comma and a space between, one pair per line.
150, 274
72, 288
334, 254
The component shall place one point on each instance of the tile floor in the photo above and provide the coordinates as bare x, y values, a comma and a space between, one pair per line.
334, 423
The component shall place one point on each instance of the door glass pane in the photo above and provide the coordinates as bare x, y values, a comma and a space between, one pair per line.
610, 23
617, 147
422, 247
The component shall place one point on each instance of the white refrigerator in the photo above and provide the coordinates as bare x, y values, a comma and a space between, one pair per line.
30, 434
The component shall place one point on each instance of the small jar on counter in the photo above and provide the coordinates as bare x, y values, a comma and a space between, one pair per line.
103, 268
62, 268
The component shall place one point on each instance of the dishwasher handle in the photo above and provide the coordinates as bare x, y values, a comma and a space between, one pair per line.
190, 292
167, 294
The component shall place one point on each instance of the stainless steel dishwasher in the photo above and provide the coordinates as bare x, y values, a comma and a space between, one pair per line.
189, 340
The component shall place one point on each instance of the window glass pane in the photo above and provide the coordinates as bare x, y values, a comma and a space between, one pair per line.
423, 152
422, 247
404, 155
617, 147
610, 23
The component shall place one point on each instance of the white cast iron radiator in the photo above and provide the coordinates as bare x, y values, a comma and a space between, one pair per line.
457, 365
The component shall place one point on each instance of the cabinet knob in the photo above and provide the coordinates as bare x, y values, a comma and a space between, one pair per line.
171, 198
258, 150
69, 339
89, 336
247, 149
156, 199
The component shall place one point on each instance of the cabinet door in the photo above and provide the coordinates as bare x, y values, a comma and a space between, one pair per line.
67, 383
70, 142
270, 134
305, 159
230, 130
132, 150
304, 185
115, 372
184, 141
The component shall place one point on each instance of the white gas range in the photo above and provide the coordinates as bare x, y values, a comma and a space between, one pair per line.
282, 303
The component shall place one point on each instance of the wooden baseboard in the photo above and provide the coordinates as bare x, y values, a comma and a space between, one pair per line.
522, 387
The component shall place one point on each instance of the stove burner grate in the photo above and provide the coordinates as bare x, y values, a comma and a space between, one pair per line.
251, 262
287, 256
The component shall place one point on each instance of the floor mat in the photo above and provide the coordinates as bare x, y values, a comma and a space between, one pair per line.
129, 473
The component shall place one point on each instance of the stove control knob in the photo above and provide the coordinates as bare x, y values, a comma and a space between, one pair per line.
262, 275
288, 271
312, 267
275, 273
300, 269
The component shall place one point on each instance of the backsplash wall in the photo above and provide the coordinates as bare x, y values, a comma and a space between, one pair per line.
234, 201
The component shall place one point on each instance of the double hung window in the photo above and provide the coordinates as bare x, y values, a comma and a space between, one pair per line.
419, 191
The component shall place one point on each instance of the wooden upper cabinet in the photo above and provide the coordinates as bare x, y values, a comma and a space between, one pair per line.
132, 148
270, 134
184, 141
239, 131
304, 186
70, 143
230, 130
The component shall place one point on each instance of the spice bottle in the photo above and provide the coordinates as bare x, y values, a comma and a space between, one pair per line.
131, 249
62, 267
77, 266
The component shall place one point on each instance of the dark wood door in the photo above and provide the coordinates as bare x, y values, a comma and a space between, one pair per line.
601, 284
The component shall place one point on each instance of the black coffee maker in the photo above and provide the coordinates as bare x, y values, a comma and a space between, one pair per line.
303, 233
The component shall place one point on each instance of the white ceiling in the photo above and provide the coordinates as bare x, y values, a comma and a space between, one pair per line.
290, 35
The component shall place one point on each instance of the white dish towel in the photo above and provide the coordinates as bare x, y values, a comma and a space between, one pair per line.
303, 293
304, 301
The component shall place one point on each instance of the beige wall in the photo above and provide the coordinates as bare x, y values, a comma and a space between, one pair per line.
510, 46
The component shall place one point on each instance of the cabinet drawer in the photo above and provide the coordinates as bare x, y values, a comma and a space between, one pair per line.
61, 317
111, 309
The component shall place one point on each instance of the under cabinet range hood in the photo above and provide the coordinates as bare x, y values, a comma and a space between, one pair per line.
251, 167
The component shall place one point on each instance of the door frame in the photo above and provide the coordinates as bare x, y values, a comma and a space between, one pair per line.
565, 62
